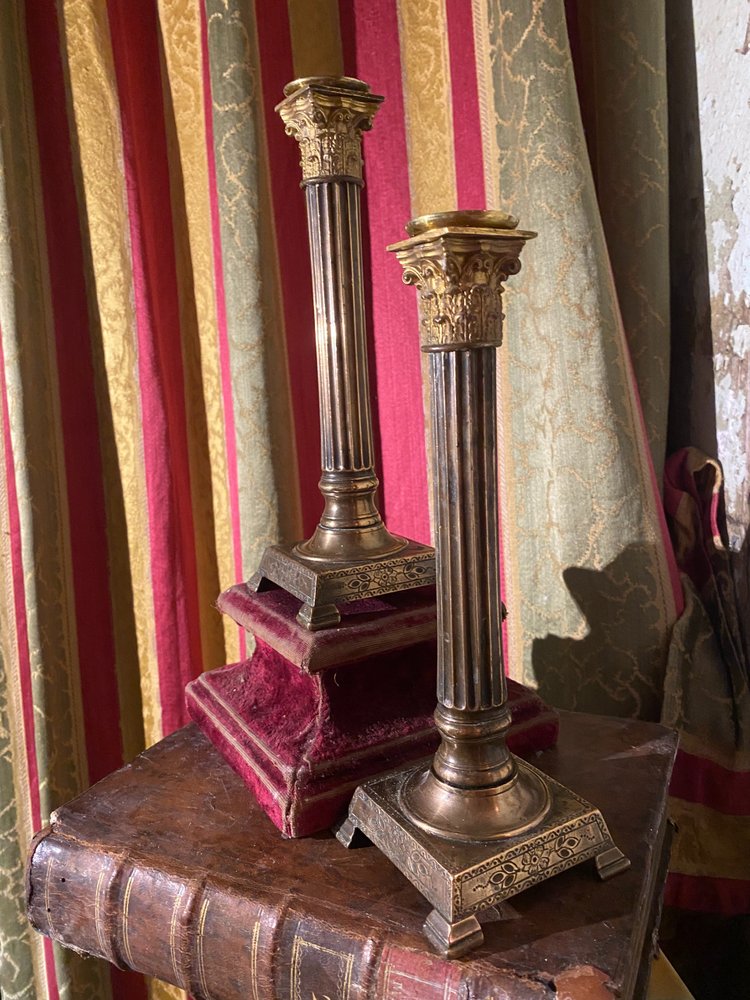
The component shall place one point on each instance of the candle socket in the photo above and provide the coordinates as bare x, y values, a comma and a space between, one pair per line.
477, 824
351, 554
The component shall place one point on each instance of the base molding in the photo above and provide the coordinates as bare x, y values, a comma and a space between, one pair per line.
322, 585
462, 878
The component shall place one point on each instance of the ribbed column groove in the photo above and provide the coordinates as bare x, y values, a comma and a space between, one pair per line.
470, 663
336, 248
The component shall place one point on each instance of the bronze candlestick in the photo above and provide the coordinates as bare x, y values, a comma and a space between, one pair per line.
478, 824
351, 553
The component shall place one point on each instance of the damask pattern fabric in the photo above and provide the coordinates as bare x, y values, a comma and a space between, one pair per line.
159, 407
583, 534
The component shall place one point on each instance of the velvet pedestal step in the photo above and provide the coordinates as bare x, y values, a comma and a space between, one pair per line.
312, 714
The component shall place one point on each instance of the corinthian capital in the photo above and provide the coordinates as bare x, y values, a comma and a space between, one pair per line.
327, 116
458, 262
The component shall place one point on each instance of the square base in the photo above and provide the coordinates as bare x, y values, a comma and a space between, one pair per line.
460, 879
322, 585
370, 627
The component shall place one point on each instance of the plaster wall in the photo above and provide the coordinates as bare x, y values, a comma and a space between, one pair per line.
722, 37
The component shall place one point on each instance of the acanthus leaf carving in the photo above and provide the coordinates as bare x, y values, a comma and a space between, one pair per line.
460, 292
329, 130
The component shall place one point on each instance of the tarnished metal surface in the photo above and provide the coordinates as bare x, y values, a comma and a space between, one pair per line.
476, 825
351, 544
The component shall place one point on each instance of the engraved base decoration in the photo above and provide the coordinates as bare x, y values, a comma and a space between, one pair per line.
459, 880
321, 586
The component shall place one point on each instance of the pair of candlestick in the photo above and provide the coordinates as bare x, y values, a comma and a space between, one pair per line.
477, 825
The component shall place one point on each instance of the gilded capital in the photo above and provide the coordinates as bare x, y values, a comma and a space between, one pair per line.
459, 272
327, 116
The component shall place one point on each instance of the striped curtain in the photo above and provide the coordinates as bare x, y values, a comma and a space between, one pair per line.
159, 407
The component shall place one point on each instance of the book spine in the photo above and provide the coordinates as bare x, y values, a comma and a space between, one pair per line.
212, 940
192, 932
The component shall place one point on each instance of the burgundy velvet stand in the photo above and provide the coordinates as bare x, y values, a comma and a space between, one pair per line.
312, 714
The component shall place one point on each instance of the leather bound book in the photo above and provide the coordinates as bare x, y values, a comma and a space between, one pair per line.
170, 867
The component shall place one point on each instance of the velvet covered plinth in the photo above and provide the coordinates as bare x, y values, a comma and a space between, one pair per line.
310, 715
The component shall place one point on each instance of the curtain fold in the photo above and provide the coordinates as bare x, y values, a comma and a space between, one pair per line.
158, 395
584, 537
620, 56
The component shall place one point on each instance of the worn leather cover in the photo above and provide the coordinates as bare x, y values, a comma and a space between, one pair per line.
169, 867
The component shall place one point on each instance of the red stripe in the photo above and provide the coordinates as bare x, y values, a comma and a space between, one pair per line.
127, 985
277, 69
230, 435
728, 896
50, 971
135, 33
696, 779
371, 52
467, 122
78, 409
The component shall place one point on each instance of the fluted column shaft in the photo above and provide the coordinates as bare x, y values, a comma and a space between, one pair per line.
327, 117
333, 216
470, 659
458, 271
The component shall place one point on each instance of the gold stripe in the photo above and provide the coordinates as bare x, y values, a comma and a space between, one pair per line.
201, 957
98, 914
316, 38
427, 104
158, 990
181, 35
254, 959
426, 84
213, 651
173, 931
120, 586
125, 915
96, 111
708, 842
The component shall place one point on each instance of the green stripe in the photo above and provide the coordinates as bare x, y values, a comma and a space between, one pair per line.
268, 492
589, 560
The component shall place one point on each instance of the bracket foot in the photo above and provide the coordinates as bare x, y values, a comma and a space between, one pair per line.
455, 939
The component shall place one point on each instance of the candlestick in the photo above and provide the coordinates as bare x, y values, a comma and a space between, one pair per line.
351, 553
478, 824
